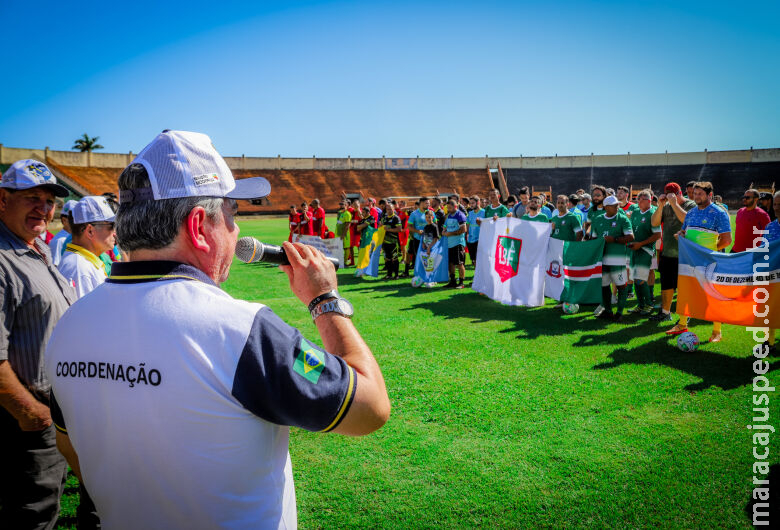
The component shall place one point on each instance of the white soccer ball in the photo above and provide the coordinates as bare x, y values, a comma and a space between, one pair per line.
417, 281
570, 308
687, 341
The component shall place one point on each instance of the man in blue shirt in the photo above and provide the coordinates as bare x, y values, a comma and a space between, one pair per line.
455, 232
543, 208
416, 223
472, 239
709, 226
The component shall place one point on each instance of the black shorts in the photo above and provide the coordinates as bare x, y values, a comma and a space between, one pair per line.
414, 245
457, 255
667, 267
472, 250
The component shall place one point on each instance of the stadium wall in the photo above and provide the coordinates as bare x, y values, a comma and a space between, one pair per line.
296, 179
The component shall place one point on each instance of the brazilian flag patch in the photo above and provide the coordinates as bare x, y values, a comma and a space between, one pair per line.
310, 362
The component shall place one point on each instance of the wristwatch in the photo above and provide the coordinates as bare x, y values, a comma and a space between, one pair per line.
333, 305
330, 294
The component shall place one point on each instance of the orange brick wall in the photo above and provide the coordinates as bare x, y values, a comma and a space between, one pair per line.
295, 186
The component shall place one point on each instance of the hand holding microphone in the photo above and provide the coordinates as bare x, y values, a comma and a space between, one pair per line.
250, 250
309, 270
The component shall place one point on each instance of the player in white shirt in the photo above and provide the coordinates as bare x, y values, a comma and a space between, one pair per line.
92, 227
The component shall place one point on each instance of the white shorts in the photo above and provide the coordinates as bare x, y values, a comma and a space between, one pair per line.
618, 277
639, 273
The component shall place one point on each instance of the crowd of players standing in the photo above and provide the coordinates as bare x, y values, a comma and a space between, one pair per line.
640, 235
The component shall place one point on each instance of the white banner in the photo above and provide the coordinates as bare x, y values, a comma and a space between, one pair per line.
333, 248
510, 261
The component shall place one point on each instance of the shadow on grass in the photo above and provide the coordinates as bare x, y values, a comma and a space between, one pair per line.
528, 322
714, 369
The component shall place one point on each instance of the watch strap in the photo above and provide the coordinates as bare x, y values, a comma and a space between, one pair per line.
320, 298
331, 306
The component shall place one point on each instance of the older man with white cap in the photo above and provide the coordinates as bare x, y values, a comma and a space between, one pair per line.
185, 423
92, 225
33, 296
63, 237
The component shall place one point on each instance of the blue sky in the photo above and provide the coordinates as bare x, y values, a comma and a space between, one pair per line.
368, 79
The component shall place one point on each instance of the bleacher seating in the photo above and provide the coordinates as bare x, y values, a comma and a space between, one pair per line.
295, 186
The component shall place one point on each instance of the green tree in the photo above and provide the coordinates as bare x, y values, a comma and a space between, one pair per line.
85, 143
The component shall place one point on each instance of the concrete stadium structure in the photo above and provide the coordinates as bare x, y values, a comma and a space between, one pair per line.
294, 180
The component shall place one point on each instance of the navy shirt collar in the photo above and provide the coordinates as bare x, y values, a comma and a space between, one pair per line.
153, 271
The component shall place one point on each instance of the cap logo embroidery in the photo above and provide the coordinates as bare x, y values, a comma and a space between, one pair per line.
205, 179
39, 171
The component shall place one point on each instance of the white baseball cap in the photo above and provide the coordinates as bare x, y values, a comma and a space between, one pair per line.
611, 200
185, 164
92, 209
68, 206
28, 173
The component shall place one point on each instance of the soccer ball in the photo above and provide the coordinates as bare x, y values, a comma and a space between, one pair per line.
570, 308
417, 281
687, 342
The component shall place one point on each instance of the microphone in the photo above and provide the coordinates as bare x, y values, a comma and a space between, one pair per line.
250, 250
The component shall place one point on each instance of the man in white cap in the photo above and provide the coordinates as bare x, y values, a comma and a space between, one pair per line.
63, 237
185, 423
33, 296
615, 228
92, 225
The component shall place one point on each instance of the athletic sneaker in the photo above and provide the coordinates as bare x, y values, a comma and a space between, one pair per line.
599, 309
460, 286
646, 311
662, 317
606, 315
637, 310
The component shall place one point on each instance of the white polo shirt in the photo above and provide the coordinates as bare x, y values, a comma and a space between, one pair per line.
183, 423
82, 269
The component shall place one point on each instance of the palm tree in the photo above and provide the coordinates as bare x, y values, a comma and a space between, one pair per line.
85, 143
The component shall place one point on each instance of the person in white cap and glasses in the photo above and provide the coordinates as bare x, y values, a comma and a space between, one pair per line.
33, 297
185, 424
92, 225
63, 237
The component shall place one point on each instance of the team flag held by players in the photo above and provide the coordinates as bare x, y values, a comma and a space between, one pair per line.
367, 263
573, 271
511, 258
433, 266
741, 289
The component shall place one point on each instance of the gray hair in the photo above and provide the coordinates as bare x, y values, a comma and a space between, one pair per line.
647, 193
154, 224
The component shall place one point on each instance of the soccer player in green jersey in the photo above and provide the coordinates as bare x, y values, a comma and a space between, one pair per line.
616, 231
598, 194
495, 209
533, 213
643, 250
566, 224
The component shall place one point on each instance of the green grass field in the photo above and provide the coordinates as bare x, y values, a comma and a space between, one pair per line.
515, 417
